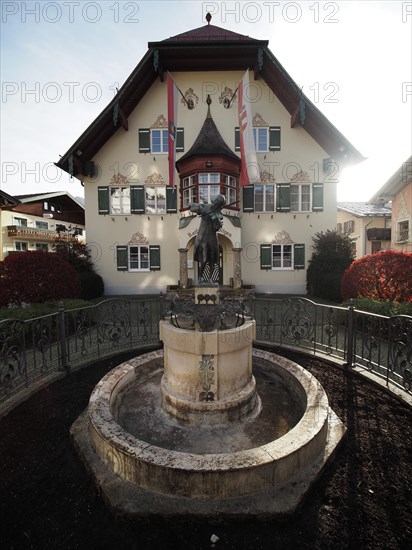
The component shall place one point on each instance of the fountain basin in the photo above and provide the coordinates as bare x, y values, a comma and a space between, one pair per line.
206, 483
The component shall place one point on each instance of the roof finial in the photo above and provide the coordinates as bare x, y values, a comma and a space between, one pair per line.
208, 18
208, 101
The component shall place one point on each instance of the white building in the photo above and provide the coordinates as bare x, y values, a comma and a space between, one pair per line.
143, 228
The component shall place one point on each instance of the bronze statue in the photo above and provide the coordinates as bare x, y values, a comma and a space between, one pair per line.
206, 245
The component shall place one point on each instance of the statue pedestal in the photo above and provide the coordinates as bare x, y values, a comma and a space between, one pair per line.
208, 375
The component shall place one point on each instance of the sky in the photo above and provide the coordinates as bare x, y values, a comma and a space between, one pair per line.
61, 63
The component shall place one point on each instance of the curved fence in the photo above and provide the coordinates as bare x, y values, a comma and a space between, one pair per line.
32, 351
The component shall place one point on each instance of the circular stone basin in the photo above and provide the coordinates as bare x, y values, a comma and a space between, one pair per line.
214, 462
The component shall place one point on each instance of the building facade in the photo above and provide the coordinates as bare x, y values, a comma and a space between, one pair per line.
33, 222
142, 226
398, 189
369, 226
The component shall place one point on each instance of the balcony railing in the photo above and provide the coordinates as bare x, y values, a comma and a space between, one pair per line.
379, 234
22, 232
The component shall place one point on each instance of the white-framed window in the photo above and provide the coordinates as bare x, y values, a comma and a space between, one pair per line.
42, 246
44, 226
349, 226
300, 197
229, 190
120, 200
261, 136
264, 198
138, 257
159, 141
20, 222
403, 230
189, 191
20, 246
207, 192
338, 228
282, 256
212, 187
155, 199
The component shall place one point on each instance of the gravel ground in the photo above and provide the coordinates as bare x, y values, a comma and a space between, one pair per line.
363, 499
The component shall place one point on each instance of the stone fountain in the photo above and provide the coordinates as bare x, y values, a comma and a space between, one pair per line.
208, 426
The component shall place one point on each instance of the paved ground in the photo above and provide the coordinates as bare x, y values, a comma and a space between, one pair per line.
363, 500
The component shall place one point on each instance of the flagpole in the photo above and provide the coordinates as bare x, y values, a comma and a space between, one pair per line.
180, 91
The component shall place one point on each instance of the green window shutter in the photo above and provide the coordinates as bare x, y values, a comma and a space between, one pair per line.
299, 256
144, 140
317, 200
136, 199
171, 194
122, 256
248, 198
237, 139
283, 197
154, 251
180, 140
103, 200
265, 256
274, 138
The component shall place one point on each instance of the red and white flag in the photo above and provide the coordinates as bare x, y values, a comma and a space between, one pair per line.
249, 169
172, 97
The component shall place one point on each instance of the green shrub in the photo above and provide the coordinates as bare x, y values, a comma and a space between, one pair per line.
332, 255
387, 308
92, 285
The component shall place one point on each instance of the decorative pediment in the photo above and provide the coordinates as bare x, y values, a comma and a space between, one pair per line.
190, 99
160, 122
138, 238
226, 97
282, 237
155, 179
258, 120
267, 177
119, 179
300, 176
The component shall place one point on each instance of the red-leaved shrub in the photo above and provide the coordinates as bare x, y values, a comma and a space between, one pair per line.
34, 277
386, 275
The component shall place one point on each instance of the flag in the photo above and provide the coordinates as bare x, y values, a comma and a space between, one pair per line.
172, 96
249, 169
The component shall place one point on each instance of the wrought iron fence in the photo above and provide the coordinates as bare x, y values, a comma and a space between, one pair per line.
32, 350
382, 345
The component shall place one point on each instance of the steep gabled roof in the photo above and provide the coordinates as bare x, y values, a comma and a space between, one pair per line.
7, 200
35, 197
398, 181
204, 49
363, 209
208, 33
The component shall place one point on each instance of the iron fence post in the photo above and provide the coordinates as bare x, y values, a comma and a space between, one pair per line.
62, 338
351, 334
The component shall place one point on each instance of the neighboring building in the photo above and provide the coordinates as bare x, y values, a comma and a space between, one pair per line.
368, 224
398, 189
32, 222
144, 229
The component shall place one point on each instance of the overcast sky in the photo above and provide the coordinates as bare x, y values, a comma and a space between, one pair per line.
62, 61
